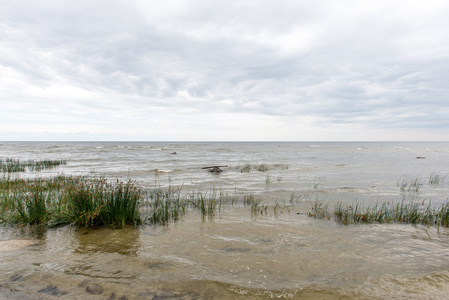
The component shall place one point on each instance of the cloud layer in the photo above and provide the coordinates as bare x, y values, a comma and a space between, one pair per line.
234, 70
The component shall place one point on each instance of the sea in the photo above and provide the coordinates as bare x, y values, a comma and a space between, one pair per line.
280, 253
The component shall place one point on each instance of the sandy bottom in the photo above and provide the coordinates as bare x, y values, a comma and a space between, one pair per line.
11, 245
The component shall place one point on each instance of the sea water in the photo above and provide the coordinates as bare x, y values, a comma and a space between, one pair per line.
281, 253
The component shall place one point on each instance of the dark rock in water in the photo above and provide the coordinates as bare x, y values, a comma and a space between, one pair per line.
215, 170
114, 297
159, 295
174, 153
420, 157
52, 290
94, 289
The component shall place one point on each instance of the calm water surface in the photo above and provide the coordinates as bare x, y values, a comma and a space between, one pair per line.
238, 255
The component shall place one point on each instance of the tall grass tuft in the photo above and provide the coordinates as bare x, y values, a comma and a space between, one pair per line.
408, 184
165, 206
414, 212
11, 165
95, 202
319, 210
31, 207
261, 167
60, 200
443, 215
436, 178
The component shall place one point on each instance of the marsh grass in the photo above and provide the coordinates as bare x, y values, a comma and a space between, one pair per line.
206, 202
254, 203
261, 167
165, 205
409, 184
60, 200
11, 165
319, 210
268, 179
316, 182
436, 178
296, 196
169, 205
90, 202
443, 215
413, 212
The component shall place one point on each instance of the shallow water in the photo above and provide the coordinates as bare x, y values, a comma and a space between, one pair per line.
238, 255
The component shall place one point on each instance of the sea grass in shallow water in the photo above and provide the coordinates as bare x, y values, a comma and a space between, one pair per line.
413, 212
78, 200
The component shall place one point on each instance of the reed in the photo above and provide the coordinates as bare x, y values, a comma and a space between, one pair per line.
436, 178
409, 184
443, 215
165, 205
316, 182
261, 167
95, 202
11, 165
296, 196
246, 168
268, 179
319, 210
59, 200
413, 212
31, 207
206, 203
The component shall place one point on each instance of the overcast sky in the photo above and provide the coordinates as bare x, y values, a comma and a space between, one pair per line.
185, 70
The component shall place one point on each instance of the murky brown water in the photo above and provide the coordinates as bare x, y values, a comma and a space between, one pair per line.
237, 255
234, 256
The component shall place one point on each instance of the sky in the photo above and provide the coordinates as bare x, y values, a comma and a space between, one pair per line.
190, 70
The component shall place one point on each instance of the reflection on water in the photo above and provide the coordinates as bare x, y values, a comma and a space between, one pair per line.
234, 256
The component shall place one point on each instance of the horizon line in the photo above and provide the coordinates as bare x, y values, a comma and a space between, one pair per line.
223, 141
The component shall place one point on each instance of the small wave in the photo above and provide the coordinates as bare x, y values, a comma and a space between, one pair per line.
159, 171
164, 170
232, 239
353, 189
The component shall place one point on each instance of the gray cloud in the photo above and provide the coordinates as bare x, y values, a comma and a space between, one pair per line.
380, 65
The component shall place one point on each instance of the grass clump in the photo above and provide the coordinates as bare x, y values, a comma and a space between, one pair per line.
261, 167
165, 206
319, 210
436, 178
11, 165
90, 202
268, 179
409, 184
205, 203
78, 200
411, 212
95, 202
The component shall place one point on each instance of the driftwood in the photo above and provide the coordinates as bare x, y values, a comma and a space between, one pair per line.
215, 169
